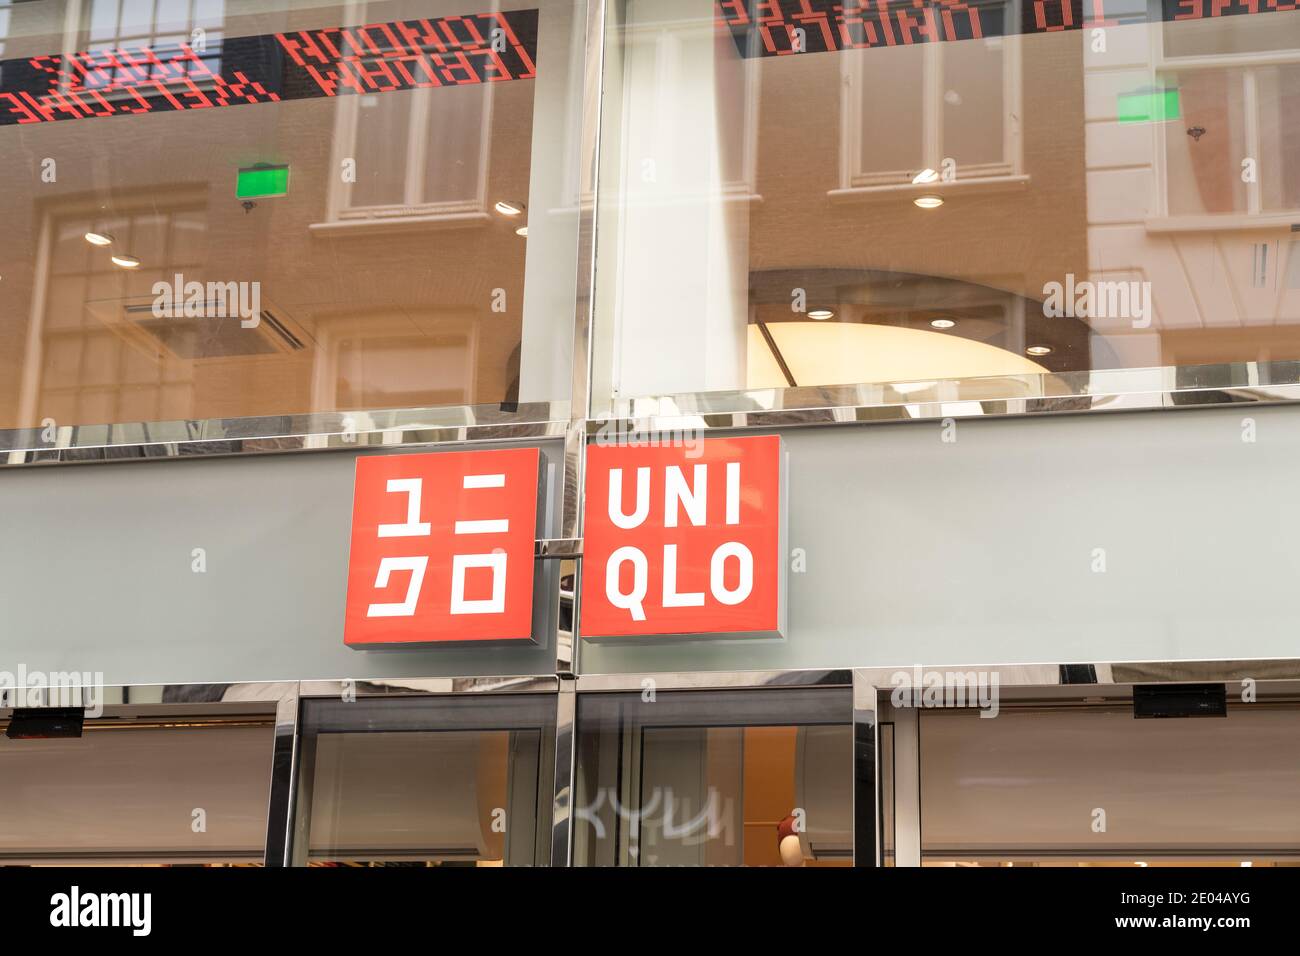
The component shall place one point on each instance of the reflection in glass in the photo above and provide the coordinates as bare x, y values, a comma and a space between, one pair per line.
430, 782
126, 792
976, 203
714, 779
385, 278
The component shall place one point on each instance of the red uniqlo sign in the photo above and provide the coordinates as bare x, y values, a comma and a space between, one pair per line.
442, 548
684, 540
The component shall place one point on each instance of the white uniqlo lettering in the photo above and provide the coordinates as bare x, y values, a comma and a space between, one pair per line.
493, 605
416, 565
671, 597
495, 561
678, 497
676, 494
412, 528
616, 514
717, 565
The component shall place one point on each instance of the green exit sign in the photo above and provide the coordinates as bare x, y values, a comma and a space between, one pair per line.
1148, 106
262, 181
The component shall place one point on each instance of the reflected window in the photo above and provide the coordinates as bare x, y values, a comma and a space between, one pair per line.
137, 24
106, 357
1235, 147
422, 152
915, 107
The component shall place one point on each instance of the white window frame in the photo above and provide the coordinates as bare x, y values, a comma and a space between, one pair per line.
347, 117
854, 178
77, 38
412, 210
1254, 215
667, 39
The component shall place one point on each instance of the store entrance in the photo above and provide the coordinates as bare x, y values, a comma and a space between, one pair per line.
1086, 783
155, 784
459, 780
757, 777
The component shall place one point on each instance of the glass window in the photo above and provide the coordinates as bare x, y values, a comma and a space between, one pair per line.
1065, 785
221, 210
151, 786
738, 778
950, 204
429, 782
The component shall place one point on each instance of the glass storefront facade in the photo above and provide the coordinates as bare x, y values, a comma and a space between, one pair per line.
238, 232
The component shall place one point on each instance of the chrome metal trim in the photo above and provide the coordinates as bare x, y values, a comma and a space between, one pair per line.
284, 433
1166, 387
564, 781
1100, 390
867, 819
284, 781
713, 680
590, 142
429, 686
564, 622
558, 548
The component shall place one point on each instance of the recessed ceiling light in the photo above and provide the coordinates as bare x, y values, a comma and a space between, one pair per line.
928, 202
126, 262
1039, 349
522, 231
820, 314
507, 208
926, 175
942, 323
99, 239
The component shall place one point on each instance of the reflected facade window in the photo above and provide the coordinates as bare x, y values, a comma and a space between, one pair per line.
975, 203
393, 186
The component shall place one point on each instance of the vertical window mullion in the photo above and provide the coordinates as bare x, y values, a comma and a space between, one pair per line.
1250, 104
417, 143
932, 107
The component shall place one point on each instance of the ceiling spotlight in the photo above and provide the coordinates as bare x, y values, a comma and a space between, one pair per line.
522, 231
821, 314
926, 175
942, 323
99, 239
1038, 349
928, 202
126, 262
509, 208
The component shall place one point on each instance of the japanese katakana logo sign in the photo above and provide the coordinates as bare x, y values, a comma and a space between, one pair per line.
442, 548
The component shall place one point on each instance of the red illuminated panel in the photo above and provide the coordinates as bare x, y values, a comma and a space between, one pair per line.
785, 27
442, 548
684, 540
374, 58
411, 54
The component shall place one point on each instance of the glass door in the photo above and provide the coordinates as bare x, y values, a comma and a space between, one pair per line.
760, 777
460, 780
